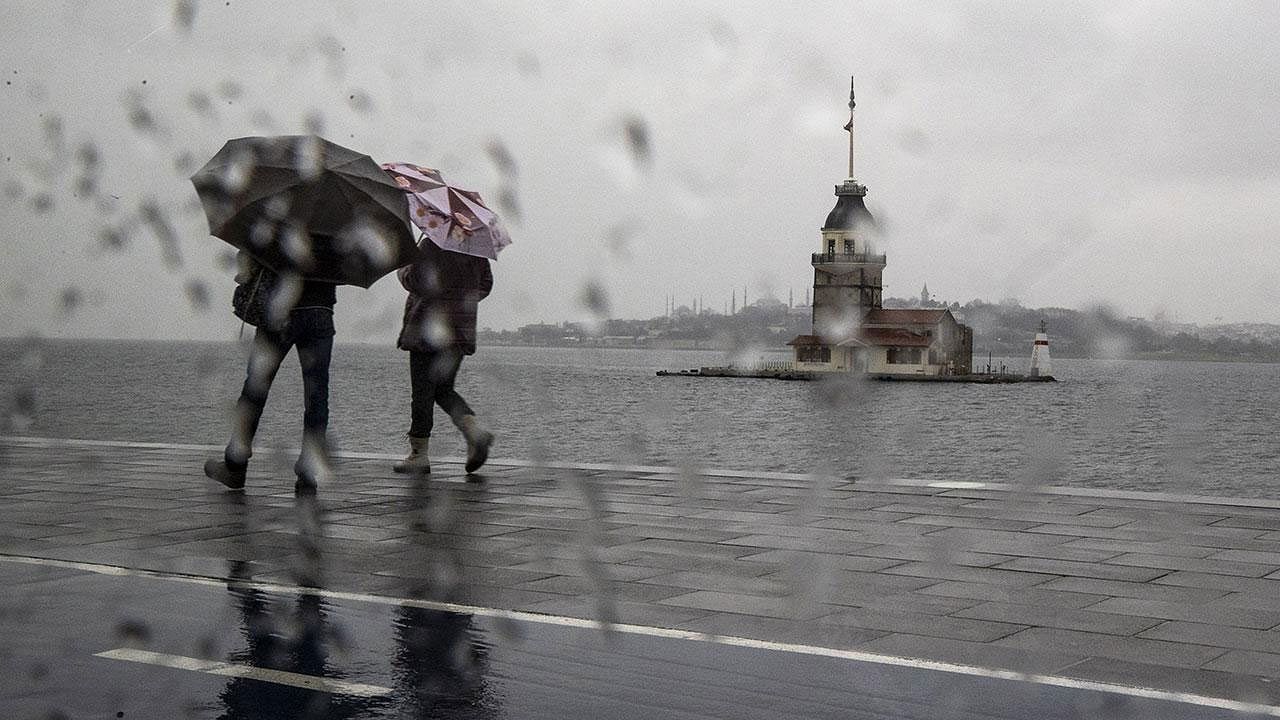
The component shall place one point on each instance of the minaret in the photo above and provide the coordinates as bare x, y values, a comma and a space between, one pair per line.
1040, 362
846, 272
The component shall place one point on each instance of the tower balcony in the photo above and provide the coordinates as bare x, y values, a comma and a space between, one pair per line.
848, 259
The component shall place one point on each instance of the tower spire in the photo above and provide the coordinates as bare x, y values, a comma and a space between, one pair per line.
849, 127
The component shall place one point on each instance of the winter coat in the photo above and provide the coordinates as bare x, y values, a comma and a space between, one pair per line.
445, 289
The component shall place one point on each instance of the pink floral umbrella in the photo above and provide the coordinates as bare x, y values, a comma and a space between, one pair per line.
453, 218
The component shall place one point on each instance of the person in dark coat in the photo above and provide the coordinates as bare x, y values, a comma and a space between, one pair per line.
445, 289
299, 315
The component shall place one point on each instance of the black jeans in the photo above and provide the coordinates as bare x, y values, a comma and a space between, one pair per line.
431, 376
310, 330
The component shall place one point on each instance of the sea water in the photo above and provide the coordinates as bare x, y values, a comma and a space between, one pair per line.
1184, 427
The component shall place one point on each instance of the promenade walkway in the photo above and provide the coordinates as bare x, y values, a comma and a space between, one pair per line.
1054, 586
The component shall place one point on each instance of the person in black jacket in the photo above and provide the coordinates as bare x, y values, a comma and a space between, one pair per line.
445, 289
299, 315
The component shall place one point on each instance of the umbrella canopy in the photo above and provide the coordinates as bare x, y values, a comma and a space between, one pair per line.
453, 218
301, 204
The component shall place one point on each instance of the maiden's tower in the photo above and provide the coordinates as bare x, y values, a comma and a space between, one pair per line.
852, 332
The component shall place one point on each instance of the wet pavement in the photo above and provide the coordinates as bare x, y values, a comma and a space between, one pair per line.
136, 588
132, 646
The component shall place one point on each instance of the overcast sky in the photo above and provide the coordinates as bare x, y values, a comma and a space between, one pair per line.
1060, 153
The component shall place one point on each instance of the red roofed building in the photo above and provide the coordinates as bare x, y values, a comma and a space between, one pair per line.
851, 331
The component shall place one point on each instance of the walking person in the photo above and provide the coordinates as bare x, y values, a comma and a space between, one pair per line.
307, 215
290, 313
445, 289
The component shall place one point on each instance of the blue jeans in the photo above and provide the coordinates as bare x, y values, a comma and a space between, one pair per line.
310, 330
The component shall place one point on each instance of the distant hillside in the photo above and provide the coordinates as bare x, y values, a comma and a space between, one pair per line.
1003, 329
1008, 328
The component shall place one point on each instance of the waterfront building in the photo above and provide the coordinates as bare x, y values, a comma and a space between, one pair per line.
852, 332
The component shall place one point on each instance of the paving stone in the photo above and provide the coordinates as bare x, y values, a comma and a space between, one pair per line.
934, 553
681, 547
1271, 558
676, 561
1215, 635
1209, 565
1009, 594
1158, 652
1213, 614
1247, 662
922, 624
1147, 591
1123, 532
787, 608
952, 521
822, 560
1083, 569
1118, 547
1246, 600
1252, 523
910, 603
990, 576
766, 586
564, 566
1057, 617
1225, 583
794, 543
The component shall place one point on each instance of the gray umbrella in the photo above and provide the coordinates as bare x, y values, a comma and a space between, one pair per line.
301, 204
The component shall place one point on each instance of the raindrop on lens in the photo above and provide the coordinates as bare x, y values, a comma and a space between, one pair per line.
133, 633
314, 123
200, 103
69, 301
595, 299
184, 14
140, 118
238, 172
502, 158
636, 131
198, 295
296, 244
360, 102
307, 157
23, 413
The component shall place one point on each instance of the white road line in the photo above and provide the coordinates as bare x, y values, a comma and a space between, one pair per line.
213, 667
690, 635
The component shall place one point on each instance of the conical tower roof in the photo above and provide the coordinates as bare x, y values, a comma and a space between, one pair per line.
850, 212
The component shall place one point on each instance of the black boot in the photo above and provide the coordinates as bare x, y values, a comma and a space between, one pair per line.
225, 472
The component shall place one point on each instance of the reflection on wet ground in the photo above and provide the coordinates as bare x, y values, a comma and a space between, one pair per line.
95, 641
298, 656
738, 589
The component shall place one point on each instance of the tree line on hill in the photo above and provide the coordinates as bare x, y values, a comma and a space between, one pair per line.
1003, 329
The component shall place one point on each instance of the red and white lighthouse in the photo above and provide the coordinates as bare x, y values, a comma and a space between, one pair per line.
1040, 363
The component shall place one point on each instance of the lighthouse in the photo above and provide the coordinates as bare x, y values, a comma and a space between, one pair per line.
847, 271
1040, 363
